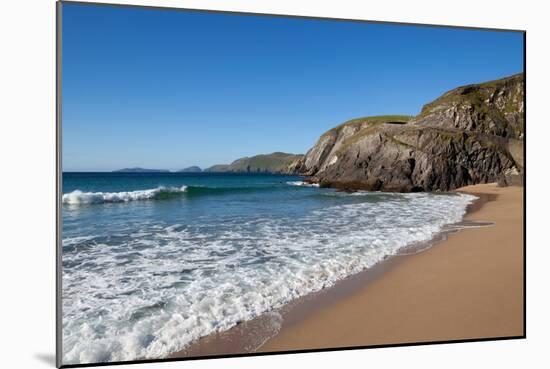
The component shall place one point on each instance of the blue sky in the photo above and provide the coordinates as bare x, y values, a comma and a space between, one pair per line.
169, 89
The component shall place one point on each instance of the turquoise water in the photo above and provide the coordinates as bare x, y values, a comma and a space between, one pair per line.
152, 262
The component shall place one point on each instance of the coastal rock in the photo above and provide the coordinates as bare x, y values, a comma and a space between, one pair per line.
495, 108
330, 142
472, 134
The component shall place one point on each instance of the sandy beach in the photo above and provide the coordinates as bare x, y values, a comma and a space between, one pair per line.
469, 286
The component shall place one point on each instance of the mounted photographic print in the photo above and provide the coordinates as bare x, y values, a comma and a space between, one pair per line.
250, 184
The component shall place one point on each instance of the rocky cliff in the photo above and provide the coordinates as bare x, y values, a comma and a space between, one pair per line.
472, 134
277, 162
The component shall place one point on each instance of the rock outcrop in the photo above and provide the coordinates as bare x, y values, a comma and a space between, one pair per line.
472, 134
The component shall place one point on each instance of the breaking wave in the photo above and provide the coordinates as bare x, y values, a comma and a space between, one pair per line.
80, 197
302, 184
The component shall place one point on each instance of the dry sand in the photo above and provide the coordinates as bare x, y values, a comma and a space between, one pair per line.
469, 286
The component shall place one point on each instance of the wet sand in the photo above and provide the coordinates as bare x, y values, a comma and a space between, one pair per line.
469, 285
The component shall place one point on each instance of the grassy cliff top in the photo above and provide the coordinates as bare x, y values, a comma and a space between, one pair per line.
477, 94
372, 120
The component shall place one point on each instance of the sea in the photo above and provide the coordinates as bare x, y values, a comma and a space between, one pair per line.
151, 262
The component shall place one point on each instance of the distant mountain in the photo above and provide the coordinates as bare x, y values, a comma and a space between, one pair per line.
140, 170
277, 162
192, 169
217, 168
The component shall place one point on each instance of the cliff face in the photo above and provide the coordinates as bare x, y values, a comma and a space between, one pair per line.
317, 159
494, 108
472, 134
277, 162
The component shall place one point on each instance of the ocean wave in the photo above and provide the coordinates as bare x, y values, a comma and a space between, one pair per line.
159, 293
302, 184
79, 197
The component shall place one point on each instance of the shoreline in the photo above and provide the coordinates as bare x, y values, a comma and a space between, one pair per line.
384, 305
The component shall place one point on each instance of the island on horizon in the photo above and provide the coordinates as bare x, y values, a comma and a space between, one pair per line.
191, 169
274, 163
140, 170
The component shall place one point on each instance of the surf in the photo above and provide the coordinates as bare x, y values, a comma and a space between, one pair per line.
78, 197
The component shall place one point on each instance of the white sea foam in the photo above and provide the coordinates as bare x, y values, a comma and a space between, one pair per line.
79, 197
69, 241
302, 183
154, 295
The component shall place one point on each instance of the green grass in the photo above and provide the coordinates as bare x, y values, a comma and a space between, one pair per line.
374, 120
475, 95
